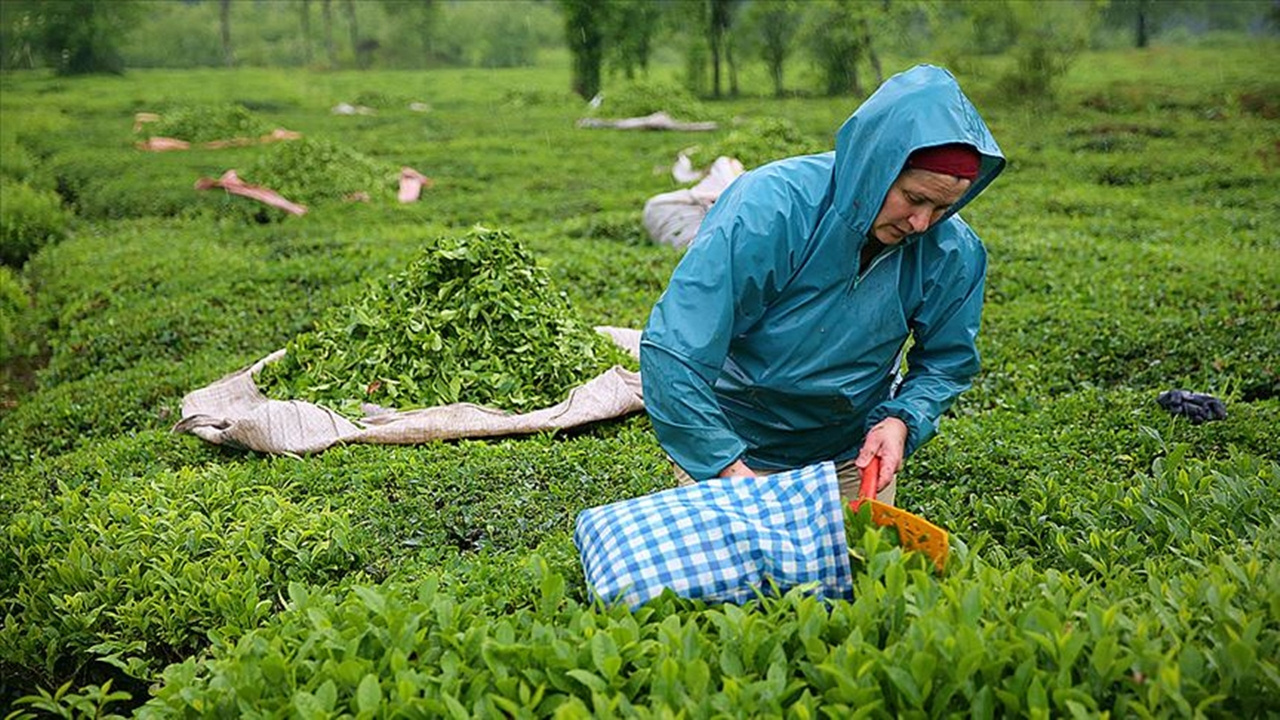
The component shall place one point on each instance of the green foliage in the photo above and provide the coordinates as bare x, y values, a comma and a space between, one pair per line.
1041, 39
645, 97
311, 170
116, 182
16, 162
203, 124
1002, 639
473, 318
1108, 558
1049, 37
14, 303
632, 30
29, 220
758, 141
89, 701
837, 37
584, 32
773, 29
75, 37
142, 572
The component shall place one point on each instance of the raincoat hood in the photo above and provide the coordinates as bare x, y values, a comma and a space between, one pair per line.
921, 107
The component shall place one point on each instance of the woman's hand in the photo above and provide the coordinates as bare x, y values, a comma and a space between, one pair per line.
888, 441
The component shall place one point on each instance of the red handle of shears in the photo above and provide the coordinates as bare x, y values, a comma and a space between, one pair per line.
870, 474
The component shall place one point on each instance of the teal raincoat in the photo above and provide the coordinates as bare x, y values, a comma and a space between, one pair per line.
768, 346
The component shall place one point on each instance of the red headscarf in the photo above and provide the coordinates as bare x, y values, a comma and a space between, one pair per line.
956, 159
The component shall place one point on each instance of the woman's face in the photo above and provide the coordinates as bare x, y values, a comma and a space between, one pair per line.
916, 200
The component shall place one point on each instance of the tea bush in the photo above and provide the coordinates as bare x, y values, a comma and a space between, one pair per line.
144, 570
108, 183
758, 141
14, 304
29, 219
16, 162
84, 412
986, 640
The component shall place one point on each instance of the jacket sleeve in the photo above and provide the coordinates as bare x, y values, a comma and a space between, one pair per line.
944, 356
727, 278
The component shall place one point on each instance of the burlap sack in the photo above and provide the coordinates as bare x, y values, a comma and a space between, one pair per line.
233, 412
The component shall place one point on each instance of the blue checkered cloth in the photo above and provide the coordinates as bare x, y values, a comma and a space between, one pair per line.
720, 539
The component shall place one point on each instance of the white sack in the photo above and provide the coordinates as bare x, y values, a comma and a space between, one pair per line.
233, 412
673, 218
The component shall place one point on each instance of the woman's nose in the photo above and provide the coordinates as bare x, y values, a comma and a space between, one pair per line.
919, 221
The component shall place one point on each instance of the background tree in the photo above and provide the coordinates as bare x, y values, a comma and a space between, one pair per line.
836, 41
74, 37
305, 12
326, 19
868, 42
360, 51
224, 23
719, 20
633, 25
1141, 34
508, 33
1048, 38
685, 22
584, 29
415, 37
772, 28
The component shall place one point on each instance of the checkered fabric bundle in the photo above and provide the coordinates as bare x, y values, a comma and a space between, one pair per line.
720, 539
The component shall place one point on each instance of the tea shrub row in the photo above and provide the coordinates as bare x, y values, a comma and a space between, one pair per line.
29, 219
138, 574
14, 303
113, 183
757, 141
988, 640
473, 318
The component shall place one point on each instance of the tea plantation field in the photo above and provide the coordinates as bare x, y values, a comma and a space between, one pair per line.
1109, 559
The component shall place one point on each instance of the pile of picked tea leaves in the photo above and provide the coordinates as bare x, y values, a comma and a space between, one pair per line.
310, 170
759, 141
208, 123
472, 319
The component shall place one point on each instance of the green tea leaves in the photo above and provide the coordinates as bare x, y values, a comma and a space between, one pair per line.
472, 319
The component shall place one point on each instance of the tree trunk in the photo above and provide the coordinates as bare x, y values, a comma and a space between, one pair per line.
331, 50
306, 31
714, 41
733, 69
871, 50
1141, 35
717, 32
224, 17
584, 32
354, 30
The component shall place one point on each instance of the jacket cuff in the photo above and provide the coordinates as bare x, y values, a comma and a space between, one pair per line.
916, 434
